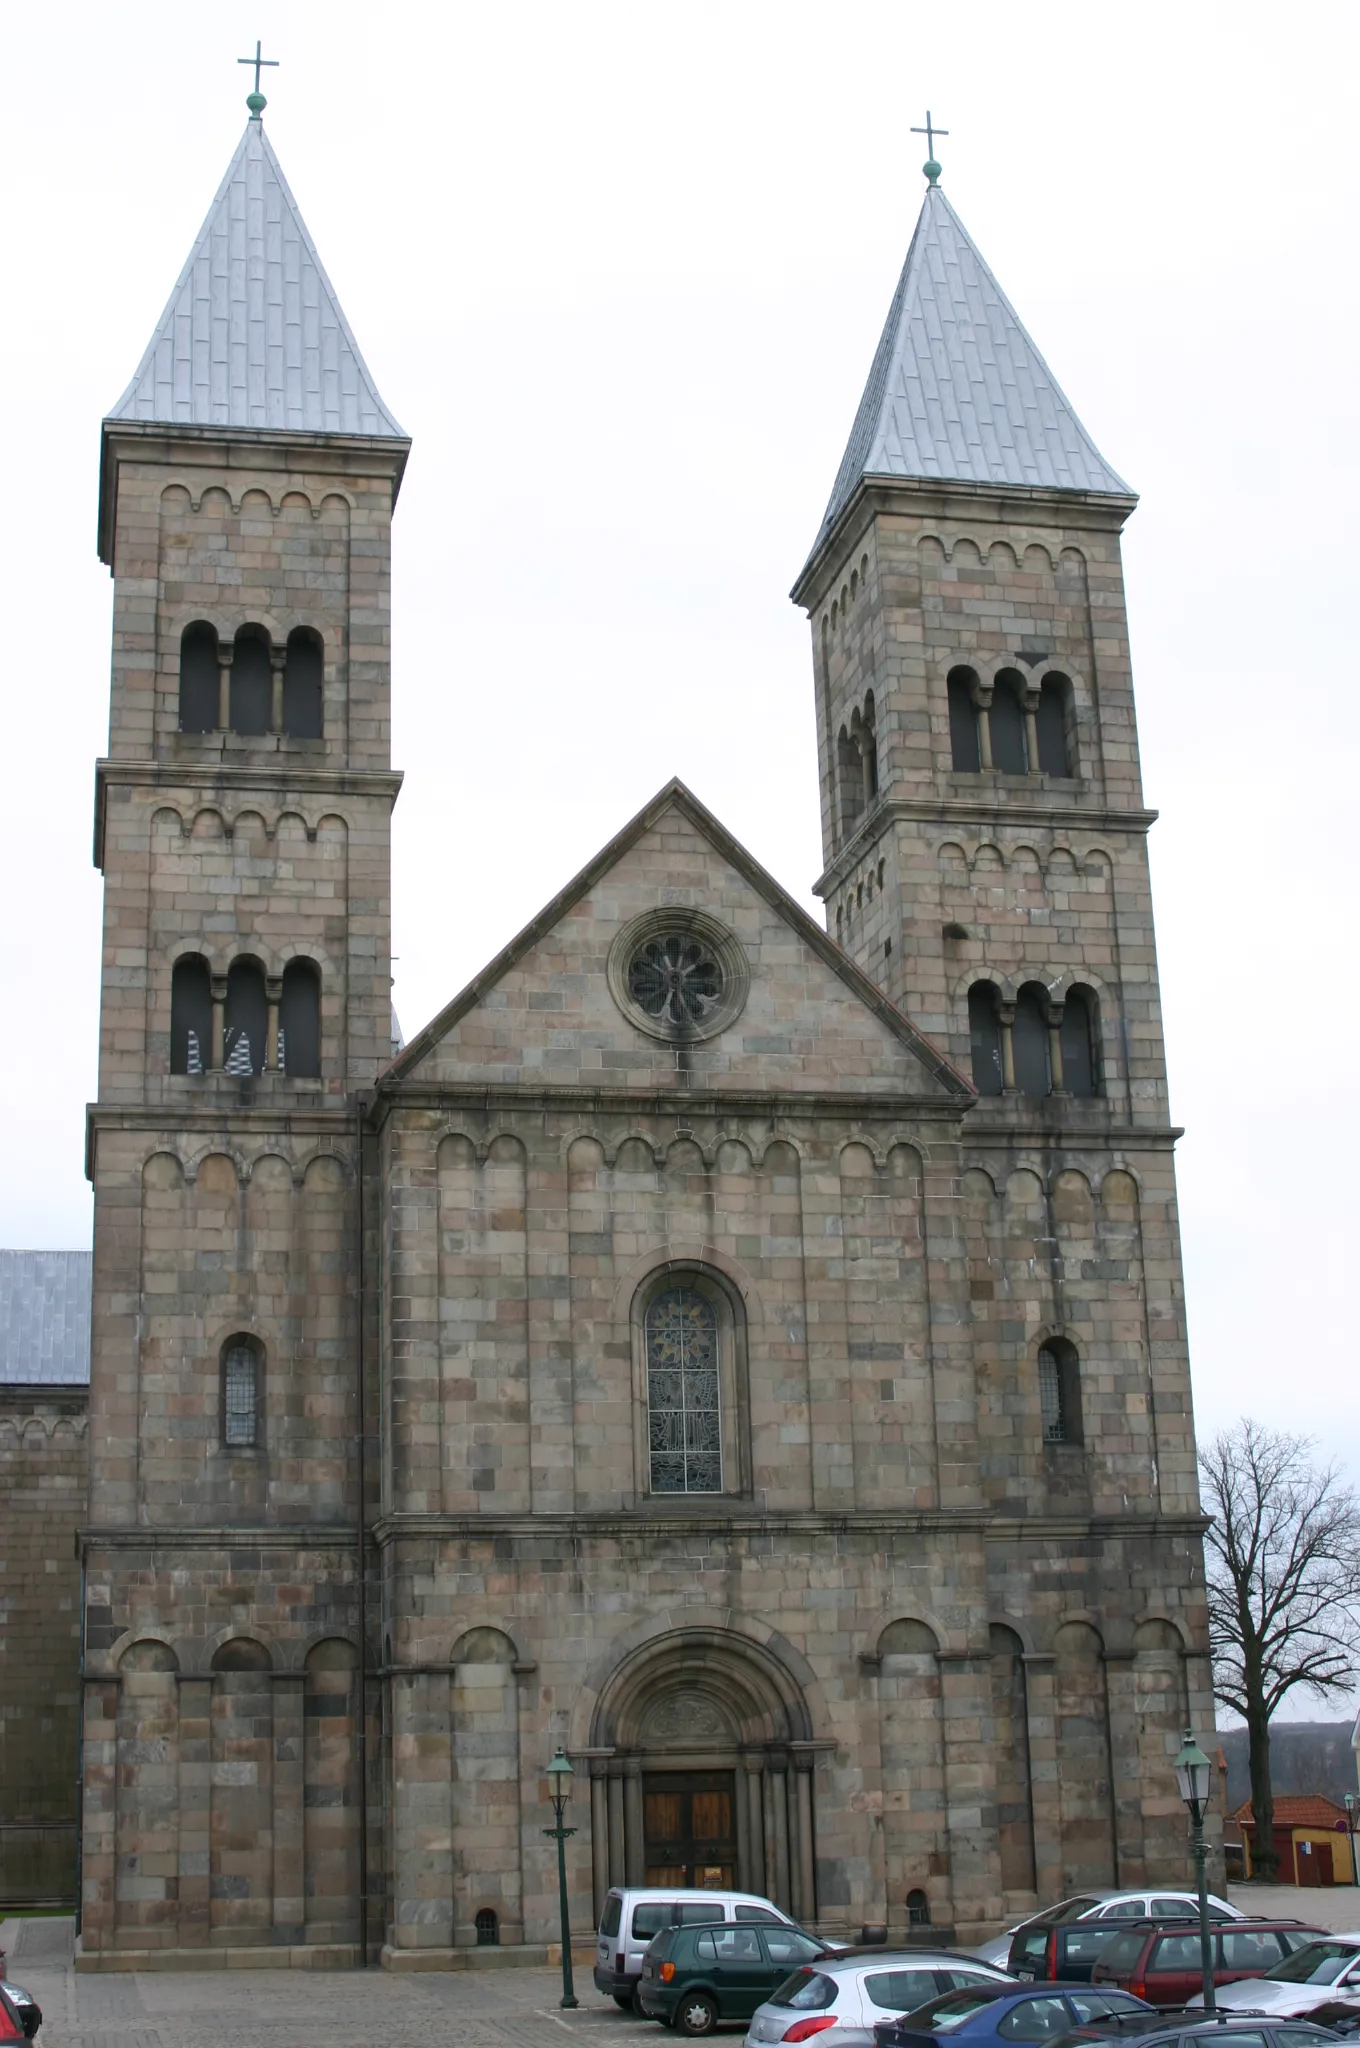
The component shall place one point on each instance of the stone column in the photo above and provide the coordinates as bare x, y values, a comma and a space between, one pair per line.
804, 1867
617, 1860
1006, 1016
970, 1792
1053, 1018
634, 1852
1041, 1707
777, 1840
1030, 701
422, 1812
273, 995
223, 689
277, 657
195, 1800
749, 1790
219, 1023
982, 698
289, 1894
599, 1832
1126, 1784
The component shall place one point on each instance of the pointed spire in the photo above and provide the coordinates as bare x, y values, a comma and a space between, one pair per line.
253, 335
957, 390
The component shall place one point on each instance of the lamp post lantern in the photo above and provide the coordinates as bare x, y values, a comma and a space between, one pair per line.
1194, 1775
559, 1776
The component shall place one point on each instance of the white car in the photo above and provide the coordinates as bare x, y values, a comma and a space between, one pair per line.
1102, 1905
838, 1999
1325, 1974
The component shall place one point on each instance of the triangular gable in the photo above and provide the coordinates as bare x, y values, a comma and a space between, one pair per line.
957, 390
902, 1059
253, 336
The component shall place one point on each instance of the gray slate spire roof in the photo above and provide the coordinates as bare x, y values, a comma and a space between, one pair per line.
957, 389
253, 335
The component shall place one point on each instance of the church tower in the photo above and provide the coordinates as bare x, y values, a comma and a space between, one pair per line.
247, 483
983, 826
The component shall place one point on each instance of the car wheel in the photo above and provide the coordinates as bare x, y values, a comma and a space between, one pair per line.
696, 2014
624, 2000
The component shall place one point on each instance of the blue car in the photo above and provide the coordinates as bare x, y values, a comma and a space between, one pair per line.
988, 2016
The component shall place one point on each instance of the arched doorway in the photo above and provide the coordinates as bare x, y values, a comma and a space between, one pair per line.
701, 1764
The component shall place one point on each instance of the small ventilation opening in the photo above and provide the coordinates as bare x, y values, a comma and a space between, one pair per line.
488, 1929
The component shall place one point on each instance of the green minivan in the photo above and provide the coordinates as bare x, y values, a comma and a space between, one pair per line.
692, 1977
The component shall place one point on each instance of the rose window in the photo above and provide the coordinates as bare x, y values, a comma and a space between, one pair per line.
677, 978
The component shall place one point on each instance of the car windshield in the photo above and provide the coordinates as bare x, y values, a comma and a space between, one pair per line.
942, 2015
806, 1991
1320, 1963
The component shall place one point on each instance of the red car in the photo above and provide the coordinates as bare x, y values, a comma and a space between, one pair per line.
1162, 1963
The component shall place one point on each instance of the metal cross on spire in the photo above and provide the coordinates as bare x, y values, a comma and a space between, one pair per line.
256, 100
930, 131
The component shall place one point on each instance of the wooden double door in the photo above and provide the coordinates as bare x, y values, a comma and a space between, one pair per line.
690, 1829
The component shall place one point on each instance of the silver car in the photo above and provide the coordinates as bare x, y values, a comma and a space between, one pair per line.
1165, 1904
839, 1998
1324, 1976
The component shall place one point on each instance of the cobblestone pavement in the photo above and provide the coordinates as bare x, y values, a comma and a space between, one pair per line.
1333, 1906
506, 2008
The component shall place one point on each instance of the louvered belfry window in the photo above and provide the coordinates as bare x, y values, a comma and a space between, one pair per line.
240, 1395
683, 1422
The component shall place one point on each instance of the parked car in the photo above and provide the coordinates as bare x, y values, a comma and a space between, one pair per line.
1162, 1963
633, 1917
1320, 1981
993, 2015
839, 1998
13, 2024
692, 1977
1106, 1905
1185, 2030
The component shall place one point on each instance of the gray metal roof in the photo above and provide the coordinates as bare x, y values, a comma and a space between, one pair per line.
958, 390
45, 1317
253, 335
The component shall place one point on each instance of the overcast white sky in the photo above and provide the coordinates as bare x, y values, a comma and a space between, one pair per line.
619, 270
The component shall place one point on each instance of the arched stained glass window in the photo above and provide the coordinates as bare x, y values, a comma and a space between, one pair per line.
684, 1430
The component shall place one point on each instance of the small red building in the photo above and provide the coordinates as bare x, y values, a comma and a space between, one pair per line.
1312, 1840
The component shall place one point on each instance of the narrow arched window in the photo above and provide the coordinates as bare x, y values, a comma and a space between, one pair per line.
190, 1016
684, 1399
868, 740
850, 772
1079, 1039
963, 722
1010, 755
488, 1929
242, 1387
198, 678
302, 679
252, 682
247, 1015
918, 1909
1029, 1040
1059, 1392
300, 1020
1052, 721
984, 1033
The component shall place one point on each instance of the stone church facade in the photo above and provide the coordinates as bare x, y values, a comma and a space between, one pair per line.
749, 1355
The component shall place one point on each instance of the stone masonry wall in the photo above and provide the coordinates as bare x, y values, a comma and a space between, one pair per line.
44, 1479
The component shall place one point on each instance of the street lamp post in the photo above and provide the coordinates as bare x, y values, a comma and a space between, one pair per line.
1194, 1773
1350, 1830
559, 1791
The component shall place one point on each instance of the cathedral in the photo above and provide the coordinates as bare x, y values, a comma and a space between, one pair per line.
744, 1352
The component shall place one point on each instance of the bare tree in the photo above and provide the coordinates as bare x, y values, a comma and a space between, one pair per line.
1283, 1562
